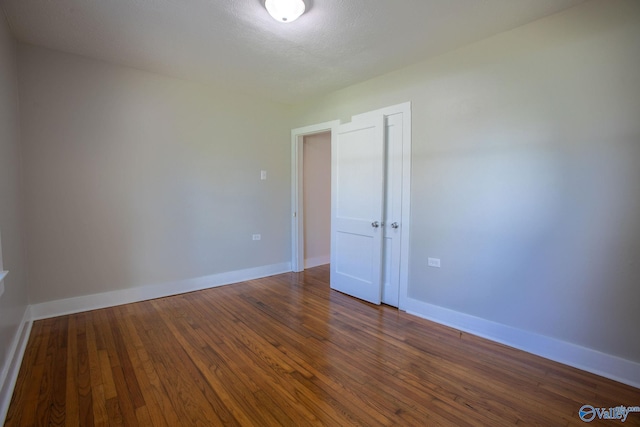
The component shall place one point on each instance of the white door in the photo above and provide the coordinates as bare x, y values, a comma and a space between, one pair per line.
392, 244
357, 208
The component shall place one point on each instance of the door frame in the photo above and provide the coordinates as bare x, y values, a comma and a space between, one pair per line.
297, 218
297, 186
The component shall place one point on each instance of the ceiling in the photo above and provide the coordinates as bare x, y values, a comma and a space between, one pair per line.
236, 45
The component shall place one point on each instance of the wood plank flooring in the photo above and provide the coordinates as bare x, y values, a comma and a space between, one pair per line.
286, 350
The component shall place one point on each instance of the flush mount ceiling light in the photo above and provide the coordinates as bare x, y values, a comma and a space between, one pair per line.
285, 10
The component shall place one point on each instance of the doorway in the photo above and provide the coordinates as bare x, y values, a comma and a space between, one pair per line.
316, 201
297, 188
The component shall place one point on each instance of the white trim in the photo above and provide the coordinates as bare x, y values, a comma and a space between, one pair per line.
586, 359
11, 369
404, 107
316, 261
125, 296
406, 203
405, 231
297, 223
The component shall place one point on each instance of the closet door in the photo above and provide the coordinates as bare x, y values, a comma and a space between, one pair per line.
357, 208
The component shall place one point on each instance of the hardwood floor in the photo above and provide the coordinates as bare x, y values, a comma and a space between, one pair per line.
286, 350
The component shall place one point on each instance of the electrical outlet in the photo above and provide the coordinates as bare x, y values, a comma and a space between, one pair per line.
257, 237
433, 262
263, 175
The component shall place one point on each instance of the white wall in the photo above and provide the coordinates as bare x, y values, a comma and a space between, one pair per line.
13, 302
135, 179
526, 175
317, 198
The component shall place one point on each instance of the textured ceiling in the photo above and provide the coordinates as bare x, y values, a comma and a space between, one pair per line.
235, 44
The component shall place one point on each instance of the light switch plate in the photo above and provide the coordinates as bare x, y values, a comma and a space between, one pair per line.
433, 262
263, 175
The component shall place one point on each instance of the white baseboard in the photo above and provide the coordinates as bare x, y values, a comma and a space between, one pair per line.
125, 296
14, 361
586, 359
316, 261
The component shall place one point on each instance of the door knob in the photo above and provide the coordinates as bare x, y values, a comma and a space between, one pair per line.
375, 224
394, 225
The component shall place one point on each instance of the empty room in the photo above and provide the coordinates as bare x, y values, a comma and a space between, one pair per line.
319, 212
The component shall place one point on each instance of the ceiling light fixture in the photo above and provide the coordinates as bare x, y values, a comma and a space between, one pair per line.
285, 10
